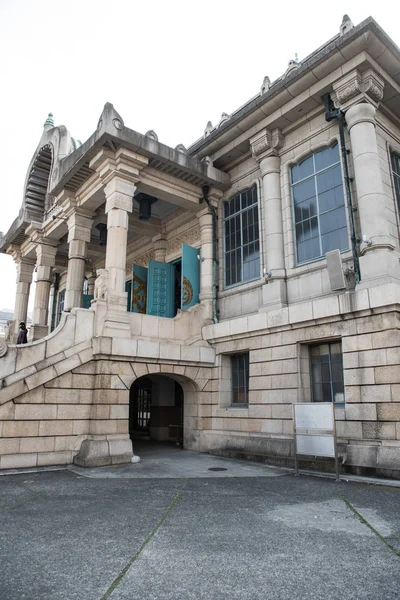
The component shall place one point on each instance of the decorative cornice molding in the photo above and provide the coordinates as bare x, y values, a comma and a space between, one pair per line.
266, 143
190, 236
358, 87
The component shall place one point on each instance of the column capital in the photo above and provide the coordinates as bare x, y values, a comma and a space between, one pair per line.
79, 226
266, 143
46, 254
356, 87
25, 271
119, 193
270, 164
204, 212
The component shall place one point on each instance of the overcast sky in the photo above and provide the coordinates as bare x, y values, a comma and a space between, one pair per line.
165, 65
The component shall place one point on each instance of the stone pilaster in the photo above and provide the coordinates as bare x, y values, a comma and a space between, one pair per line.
265, 147
119, 197
79, 230
25, 268
46, 255
359, 95
206, 260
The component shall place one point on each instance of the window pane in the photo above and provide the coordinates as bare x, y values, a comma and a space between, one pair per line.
303, 169
240, 378
327, 372
326, 392
326, 157
327, 201
303, 191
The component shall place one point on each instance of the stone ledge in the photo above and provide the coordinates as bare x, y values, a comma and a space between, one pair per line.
331, 305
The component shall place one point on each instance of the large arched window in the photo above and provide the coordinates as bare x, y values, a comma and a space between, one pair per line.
319, 205
396, 177
241, 238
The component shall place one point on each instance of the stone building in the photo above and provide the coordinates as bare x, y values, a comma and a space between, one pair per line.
200, 292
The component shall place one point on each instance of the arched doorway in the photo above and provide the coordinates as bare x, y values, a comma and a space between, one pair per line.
156, 404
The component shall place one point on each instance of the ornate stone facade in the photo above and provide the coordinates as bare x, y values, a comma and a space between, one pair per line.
176, 322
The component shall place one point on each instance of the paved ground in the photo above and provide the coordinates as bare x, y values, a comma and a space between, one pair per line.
251, 532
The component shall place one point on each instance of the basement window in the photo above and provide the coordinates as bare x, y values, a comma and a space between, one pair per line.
326, 370
240, 379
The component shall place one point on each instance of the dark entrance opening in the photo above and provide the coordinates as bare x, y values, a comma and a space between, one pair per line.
156, 409
178, 285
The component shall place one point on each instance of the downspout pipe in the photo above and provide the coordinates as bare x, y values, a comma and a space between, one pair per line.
336, 113
206, 189
56, 285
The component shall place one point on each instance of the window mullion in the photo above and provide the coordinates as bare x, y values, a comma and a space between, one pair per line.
330, 371
241, 239
318, 212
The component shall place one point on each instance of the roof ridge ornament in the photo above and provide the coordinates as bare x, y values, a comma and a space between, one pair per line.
209, 128
152, 135
346, 25
224, 117
49, 122
292, 65
266, 84
110, 117
181, 148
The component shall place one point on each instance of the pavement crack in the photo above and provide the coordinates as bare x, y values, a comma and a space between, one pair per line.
367, 524
124, 571
8, 508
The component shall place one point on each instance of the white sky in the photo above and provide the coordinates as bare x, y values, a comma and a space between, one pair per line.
165, 65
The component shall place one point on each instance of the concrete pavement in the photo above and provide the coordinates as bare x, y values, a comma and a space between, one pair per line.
246, 533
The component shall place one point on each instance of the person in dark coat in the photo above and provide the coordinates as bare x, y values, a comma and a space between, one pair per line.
23, 334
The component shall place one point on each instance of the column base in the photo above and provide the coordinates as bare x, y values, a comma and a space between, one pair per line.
100, 453
274, 295
37, 332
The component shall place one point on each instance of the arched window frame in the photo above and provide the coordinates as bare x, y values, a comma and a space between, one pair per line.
243, 208
340, 209
395, 164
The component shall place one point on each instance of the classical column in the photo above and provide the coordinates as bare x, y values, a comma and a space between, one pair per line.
206, 260
79, 230
46, 254
160, 247
265, 147
358, 95
377, 260
25, 268
119, 194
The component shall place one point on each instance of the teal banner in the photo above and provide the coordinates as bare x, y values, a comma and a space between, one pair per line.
190, 285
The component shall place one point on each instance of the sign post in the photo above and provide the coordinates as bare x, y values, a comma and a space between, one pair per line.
314, 431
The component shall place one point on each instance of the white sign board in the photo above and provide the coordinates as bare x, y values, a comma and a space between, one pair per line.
315, 445
314, 416
314, 431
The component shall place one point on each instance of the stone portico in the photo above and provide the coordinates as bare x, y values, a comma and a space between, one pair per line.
166, 269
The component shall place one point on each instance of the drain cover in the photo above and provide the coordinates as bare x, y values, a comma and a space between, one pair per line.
217, 469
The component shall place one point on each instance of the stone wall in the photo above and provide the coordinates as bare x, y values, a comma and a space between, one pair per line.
368, 424
71, 387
